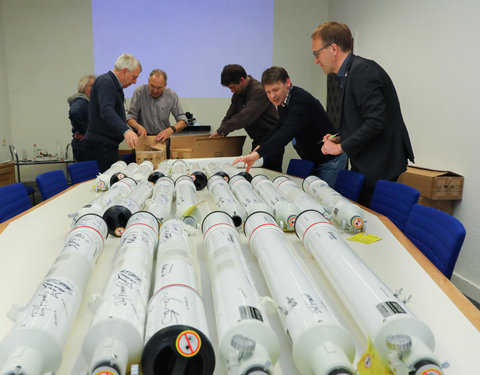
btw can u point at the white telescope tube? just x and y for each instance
(115, 338)
(102, 182)
(284, 211)
(163, 170)
(176, 333)
(144, 170)
(223, 159)
(234, 171)
(248, 198)
(321, 346)
(296, 195)
(118, 214)
(179, 168)
(34, 345)
(185, 202)
(213, 169)
(162, 199)
(225, 200)
(129, 171)
(347, 215)
(247, 344)
(371, 302)
(198, 176)
(118, 190)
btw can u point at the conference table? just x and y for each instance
(30, 243)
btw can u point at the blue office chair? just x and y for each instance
(83, 171)
(51, 183)
(13, 200)
(394, 200)
(300, 168)
(349, 184)
(436, 234)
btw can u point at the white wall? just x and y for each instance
(49, 47)
(430, 49)
(4, 101)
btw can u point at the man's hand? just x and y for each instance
(248, 160)
(131, 138)
(141, 131)
(215, 135)
(137, 127)
(164, 135)
(331, 148)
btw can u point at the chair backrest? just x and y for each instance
(349, 184)
(13, 200)
(300, 168)
(83, 171)
(436, 234)
(394, 200)
(51, 183)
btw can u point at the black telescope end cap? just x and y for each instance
(178, 350)
(246, 175)
(116, 218)
(155, 176)
(199, 179)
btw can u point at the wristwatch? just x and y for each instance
(173, 128)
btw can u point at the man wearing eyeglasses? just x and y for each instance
(372, 131)
(150, 108)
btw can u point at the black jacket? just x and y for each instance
(302, 118)
(372, 130)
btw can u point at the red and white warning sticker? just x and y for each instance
(188, 343)
(357, 222)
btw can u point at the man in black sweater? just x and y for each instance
(303, 121)
(107, 121)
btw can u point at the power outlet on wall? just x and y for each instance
(4, 142)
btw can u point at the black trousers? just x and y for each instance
(104, 153)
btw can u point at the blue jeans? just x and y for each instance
(328, 171)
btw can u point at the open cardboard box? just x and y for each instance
(201, 146)
(149, 149)
(433, 184)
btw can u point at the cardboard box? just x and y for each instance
(201, 146)
(149, 149)
(433, 184)
(442, 205)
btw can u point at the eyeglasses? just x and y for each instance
(317, 52)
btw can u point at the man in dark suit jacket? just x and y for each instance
(107, 121)
(372, 131)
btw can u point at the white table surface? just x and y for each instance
(30, 244)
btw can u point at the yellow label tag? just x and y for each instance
(189, 210)
(371, 363)
(364, 238)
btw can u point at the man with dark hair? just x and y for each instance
(373, 133)
(303, 121)
(107, 122)
(151, 106)
(249, 109)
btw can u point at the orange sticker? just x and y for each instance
(357, 222)
(119, 231)
(188, 343)
(431, 371)
(105, 372)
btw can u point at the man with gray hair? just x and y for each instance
(78, 115)
(108, 125)
(151, 106)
